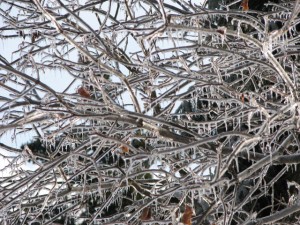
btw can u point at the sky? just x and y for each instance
(55, 79)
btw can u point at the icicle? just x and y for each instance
(248, 153)
(237, 164)
(226, 15)
(209, 128)
(239, 28)
(192, 197)
(222, 39)
(271, 155)
(199, 195)
(249, 120)
(215, 196)
(265, 187)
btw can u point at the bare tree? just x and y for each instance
(173, 112)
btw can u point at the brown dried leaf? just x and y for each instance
(220, 31)
(187, 215)
(83, 92)
(243, 98)
(124, 149)
(146, 214)
(245, 5)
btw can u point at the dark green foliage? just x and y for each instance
(36, 146)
